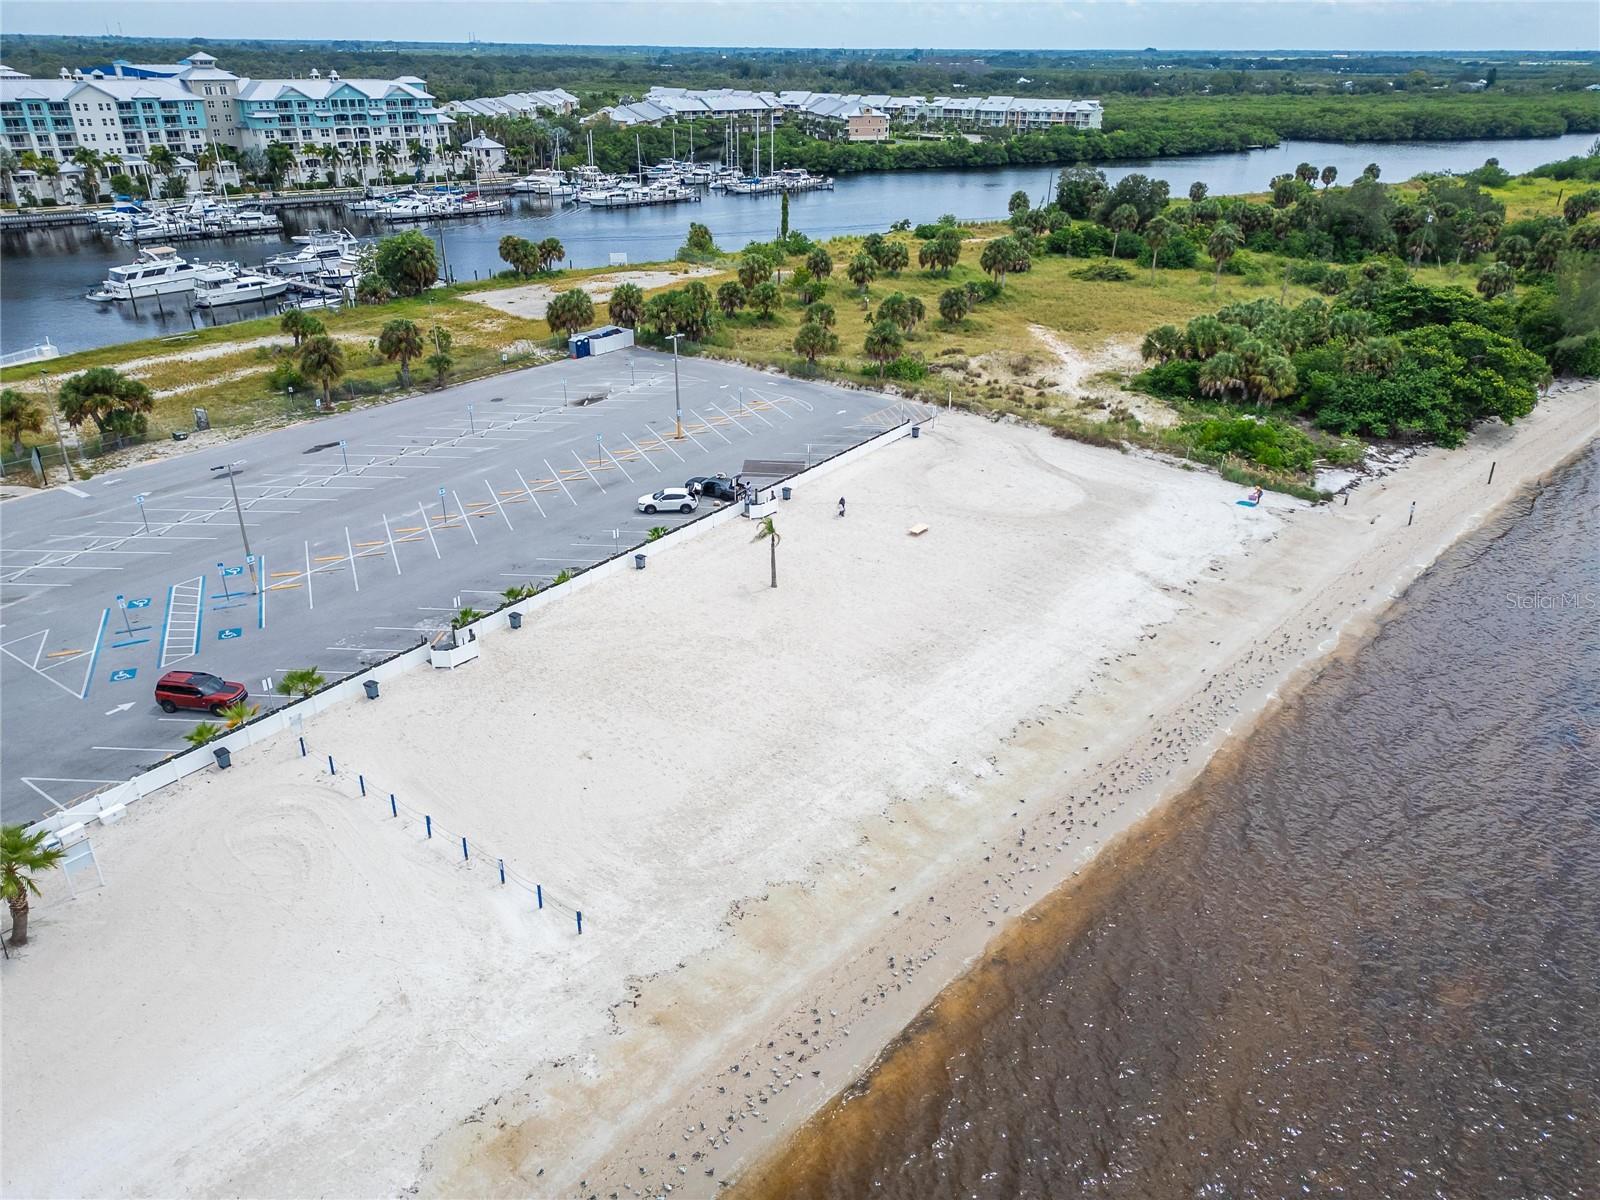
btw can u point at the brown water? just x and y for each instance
(1361, 957)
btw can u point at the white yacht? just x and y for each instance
(157, 271)
(545, 183)
(221, 284)
(318, 252)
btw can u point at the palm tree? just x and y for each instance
(301, 683)
(550, 251)
(206, 731)
(1163, 344)
(954, 305)
(863, 269)
(401, 341)
(300, 326)
(1156, 235)
(883, 344)
(1124, 218)
(322, 362)
(89, 181)
(819, 263)
(894, 257)
(1219, 374)
(280, 157)
(814, 340)
(625, 305)
(161, 159)
(18, 415)
(731, 297)
(1220, 246)
(768, 531)
(8, 164)
(24, 855)
(236, 714)
(1497, 279)
(569, 312)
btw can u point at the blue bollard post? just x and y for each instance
(302, 747)
(394, 810)
(580, 922)
(362, 780)
(464, 855)
(331, 771)
(429, 820)
(538, 893)
(502, 871)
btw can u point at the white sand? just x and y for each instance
(752, 794)
(532, 299)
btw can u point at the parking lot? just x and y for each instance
(366, 532)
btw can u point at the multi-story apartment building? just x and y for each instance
(126, 109)
(516, 104)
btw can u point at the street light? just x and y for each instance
(230, 469)
(677, 396)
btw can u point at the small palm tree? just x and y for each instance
(322, 362)
(657, 532)
(301, 683)
(466, 617)
(202, 733)
(768, 531)
(237, 714)
(562, 576)
(400, 340)
(22, 856)
(19, 415)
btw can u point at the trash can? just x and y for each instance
(224, 759)
(787, 493)
(916, 431)
(516, 620)
(638, 562)
(371, 688)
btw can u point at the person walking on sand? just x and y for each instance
(841, 506)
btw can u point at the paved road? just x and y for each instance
(431, 504)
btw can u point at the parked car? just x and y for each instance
(198, 690)
(681, 499)
(718, 487)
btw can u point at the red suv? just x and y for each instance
(196, 689)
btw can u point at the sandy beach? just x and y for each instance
(789, 816)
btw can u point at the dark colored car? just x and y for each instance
(717, 487)
(196, 689)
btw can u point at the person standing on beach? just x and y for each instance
(841, 506)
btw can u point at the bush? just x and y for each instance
(285, 376)
(1576, 355)
(1059, 241)
(1177, 251)
(1308, 274)
(1104, 272)
(1175, 380)
(1272, 444)
(906, 369)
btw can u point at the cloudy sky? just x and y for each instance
(988, 24)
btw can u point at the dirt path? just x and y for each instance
(532, 299)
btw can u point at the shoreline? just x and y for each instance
(829, 1030)
(876, 760)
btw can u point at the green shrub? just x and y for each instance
(1104, 272)
(1175, 380)
(285, 376)
(1270, 443)
(906, 369)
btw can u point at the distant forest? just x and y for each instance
(601, 75)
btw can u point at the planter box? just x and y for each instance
(449, 659)
(766, 508)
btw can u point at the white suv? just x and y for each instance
(669, 498)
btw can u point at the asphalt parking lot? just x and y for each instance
(367, 531)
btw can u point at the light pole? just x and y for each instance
(677, 395)
(230, 469)
(55, 416)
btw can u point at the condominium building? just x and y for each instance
(516, 104)
(126, 109)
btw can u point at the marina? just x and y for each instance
(48, 270)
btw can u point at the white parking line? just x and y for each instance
(466, 517)
(427, 523)
(711, 427)
(529, 491)
(350, 552)
(393, 553)
(641, 453)
(498, 505)
(614, 460)
(557, 475)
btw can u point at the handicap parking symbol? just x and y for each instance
(123, 674)
(230, 572)
(142, 602)
(227, 635)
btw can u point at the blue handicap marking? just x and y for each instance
(142, 602)
(225, 635)
(122, 674)
(230, 572)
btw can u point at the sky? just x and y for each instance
(986, 24)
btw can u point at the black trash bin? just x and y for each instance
(916, 431)
(516, 620)
(224, 759)
(371, 687)
(638, 562)
(787, 493)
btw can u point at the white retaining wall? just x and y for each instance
(289, 717)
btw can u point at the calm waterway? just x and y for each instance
(1360, 958)
(45, 274)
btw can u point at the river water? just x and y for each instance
(44, 274)
(1359, 958)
